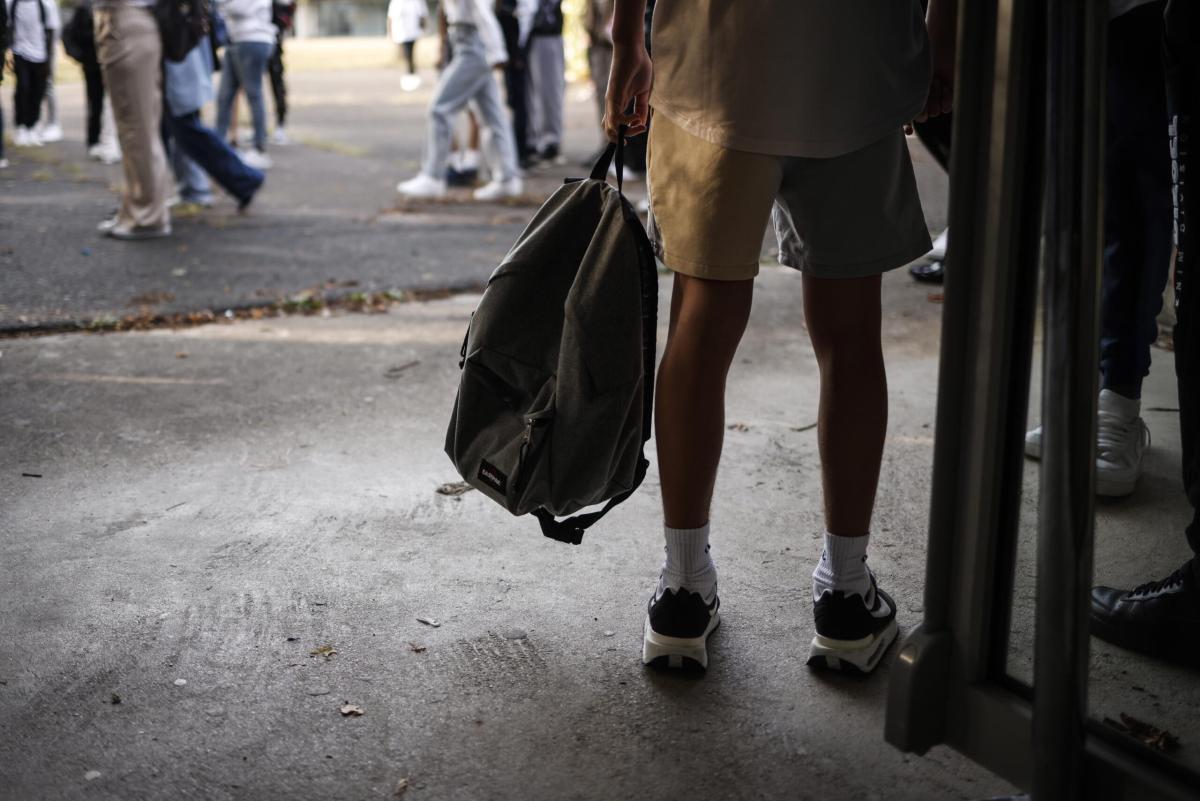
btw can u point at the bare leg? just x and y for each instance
(843, 317)
(473, 128)
(707, 322)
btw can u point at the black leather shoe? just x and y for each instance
(1159, 618)
(929, 272)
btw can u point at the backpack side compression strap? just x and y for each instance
(571, 530)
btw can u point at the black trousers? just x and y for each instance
(1137, 199)
(30, 90)
(515, 83)
(94, 79)
(1182, 62)
(278, 87)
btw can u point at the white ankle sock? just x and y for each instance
(688, 562)
(843, 566)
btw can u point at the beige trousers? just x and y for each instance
(130, 52)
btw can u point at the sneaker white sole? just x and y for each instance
(677, 652)
(852, 656)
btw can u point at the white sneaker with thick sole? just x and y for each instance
(51, 133)
(1121, 442)
(422, 186)
(136, 233)
(21, 137)
(677, 628)
(410, 83)
(500, 189)
(280, 137)
(853, 632)
(256, 159)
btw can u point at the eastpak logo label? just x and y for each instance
(493, 477)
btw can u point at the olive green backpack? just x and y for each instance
(555, 397)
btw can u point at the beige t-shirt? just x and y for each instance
(814, 78)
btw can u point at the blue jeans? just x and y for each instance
(1137, 201)
(203, 146)
(245, 63)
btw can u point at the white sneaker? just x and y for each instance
(422, 186)
(1121, 441)
(280, 137)
(51, 133)
(256, 159)
(21, 136)
(108, 225)
(410, 83)
(498, 189)
(109, 153)
(33, 138)
(939, 247)
(135, 233)
(3, 164)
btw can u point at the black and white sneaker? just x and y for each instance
(677, 627)
(853, 632)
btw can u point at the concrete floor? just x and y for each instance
(216, 503)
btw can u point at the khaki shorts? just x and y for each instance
(845, 217)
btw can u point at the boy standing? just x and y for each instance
(789, 110)
(34, 27)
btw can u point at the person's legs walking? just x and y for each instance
(410, 59)
(552, 85)
(459, 82)
(94, 82)
(219, 160)
(278, 85)
(130, 50)
(52, 131)
(227, 92)
(506, 181)
(253, 57)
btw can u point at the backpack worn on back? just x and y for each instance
(181, 24)
(554, 402)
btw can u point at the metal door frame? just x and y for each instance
(1029, 95)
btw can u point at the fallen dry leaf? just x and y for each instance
(429, 621)
(738, 427)
(1149, 734)
(401, 788)
(416, 648)
(351, 711)
(325, 650)
(936, 297)
(454, 488)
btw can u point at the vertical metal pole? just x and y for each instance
(1075, 101)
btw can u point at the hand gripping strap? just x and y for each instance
(617, 148)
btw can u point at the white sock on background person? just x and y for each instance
(689, 563)
(843, 566)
